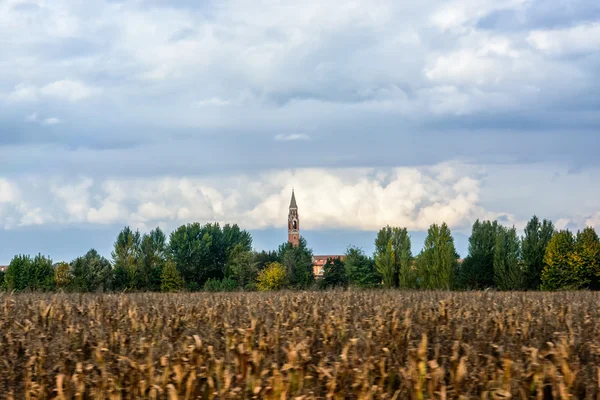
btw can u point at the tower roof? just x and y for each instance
(293, 201)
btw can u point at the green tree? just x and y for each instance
(272, 277)
(17, 273)
(508, 265)
(202, 252)
(171, 280)
(534, 243)
(152, 259)
(385, 264)
(477, 270)
(558, 273)
(90, 273)
(438, 261)
(334, 274)
(41, 274)
(360, 268)
(403, 259)
(126, 259)
(242, 266)
(298, 263)
(265, 258)
(585, 259)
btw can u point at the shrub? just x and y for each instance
(273, 277)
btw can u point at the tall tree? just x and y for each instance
(334, 274)
(171, 280)
(298, 263)
(152, 259)
(360, 268)
(16, 277)
(534, 243)
(126, 259)
(401, 247)
(558, 272)
(508, 265)
(62, 276)
(41, 274)
(91, 273)
(385, 263)
(585, 259)
(242, 266)
(438, 261)
(477, 270)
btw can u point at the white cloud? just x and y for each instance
(213, 101)
(9, 192)
(23, 92)
(69, 90)
(353, 198)
(35, 118)
(50, 121)
(291, 137)
(577, 39)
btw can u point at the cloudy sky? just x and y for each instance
(163, 112)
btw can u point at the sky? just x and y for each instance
(164, 112)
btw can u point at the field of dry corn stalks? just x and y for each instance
(340, 345)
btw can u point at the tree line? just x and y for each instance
(221, 258)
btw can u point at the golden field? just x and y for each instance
(301, 345)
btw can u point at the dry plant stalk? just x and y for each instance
(315, 345)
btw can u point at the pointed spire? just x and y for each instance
(293, 202)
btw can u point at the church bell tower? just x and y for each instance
(293, 223)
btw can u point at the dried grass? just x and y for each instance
(334, 345)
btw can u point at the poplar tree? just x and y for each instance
(386, 266)
(558, 273)
(534, 243)
(438, 261)
(508, 265)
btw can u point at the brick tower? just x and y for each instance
(293, 222)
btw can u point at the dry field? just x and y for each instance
(341, 345)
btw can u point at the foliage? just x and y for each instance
(62, 276)
(212, 285)
(202, 252)
(508, 266)
(438, 261)
(91, 273)
(264, 258)
(298, 264)
(534, 243)
(557, 273)
(334, 274)
(272, 277)
(152, 260)
(402, 274)
(242, 266)
(477, 269)
(385, 264)
(360, 269)
(171, 280)
(15, 277)
(571, 262)
(126, 259)
(585, 260)
(25, 273)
